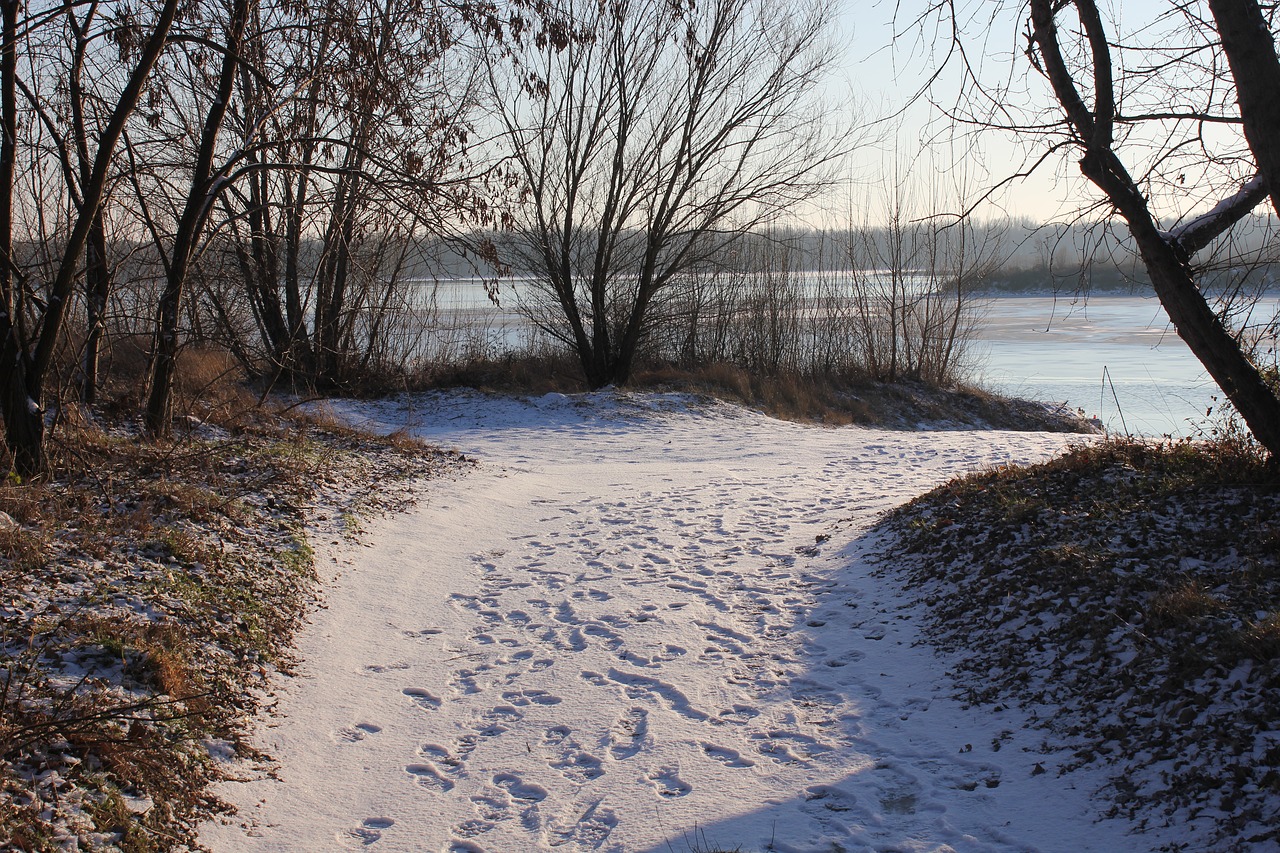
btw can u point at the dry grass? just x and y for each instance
(147, 592)
(1181, 606)
(805, 397)
(787, 396)
(535, 373)
(1261, 639)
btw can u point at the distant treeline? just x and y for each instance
(1033, 257)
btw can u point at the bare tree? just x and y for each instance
(1176, 124)
(207, 180)
(369, 109)
(32, 312)
(915, 281)
(648, 145)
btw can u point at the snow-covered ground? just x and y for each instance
(645, 623)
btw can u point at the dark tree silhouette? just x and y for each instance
(32, 313)
(1071, 45)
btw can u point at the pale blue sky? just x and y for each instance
(882, 75)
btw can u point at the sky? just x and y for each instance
(880, 74)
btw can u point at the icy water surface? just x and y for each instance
(1114, 356)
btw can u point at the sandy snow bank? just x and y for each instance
(645, 623)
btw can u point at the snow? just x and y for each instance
(1249, 195)
(646, 623)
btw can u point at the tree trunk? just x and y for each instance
(23, 417)
(200, 199)
(1251, 52)
(97, 291)
(23, 420)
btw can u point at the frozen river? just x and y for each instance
(1114, 356)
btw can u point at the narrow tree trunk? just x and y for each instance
(23, 420)
(97, 291)
(200, 199)
(23, 417)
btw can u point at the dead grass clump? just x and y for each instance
(721, 380)
(194, 501)
(22, 501)
(839, 399)
(152, 653)
(538, 373)
(1182, 605)
(1171, 465)
(1261, 639)
(806, 399)
(788, 396)
(210, 386)
(22, 549)
(123, 373)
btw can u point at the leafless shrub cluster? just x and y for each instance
(886, 304)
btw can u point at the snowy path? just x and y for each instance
(641, 626)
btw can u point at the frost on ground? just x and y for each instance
(647, 623)
(147, 591)
(1130, 594)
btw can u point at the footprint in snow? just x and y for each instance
(465, 745)
(369, 832)
(587, 831)
(464, 680)
(356, 733)
(518, 618)
(502, 714)
(627, 736)
(738, 714)
(521, 698)
(845, 659)
(457, 846)
(830, 798)
(568, 757)
(441, 757)
(594, 678)
(520, 790)
(379, 668)
(470, 829)
(667, 782)
(429, 777)
(788, 747)
(727, 757)
(899, 792)
(491, 804)
(638, 686)
(422, 698)
(655, 660)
